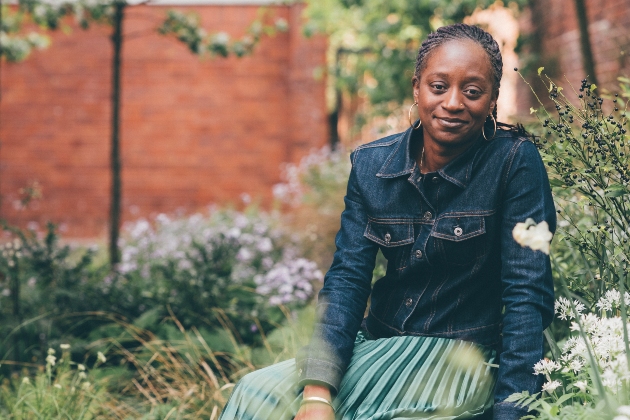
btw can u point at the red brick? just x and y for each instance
(194, 131)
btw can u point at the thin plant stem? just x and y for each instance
(624, 314)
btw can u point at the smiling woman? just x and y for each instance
(455, 325)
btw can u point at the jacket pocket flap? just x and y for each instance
(389, 234)
(459, 228)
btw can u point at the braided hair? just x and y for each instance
(461, 31)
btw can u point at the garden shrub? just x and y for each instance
(41, 283)
(227, 269)
(585, 146)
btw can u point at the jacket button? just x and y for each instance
(388, 238)
(458, 231)
(418, 254)
(408, 302)
(435, 180)
(427, 215)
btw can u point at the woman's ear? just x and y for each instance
(415, 82)
(493, 102)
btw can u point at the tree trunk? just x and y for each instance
(114, 257)
(585, 41)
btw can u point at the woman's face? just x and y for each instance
(454, 93)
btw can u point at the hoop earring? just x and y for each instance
(411, 123)
(483, 131)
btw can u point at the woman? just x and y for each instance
(461, 310)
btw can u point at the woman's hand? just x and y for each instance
(316, 410)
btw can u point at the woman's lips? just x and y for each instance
(451, 122)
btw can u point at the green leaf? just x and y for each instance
(540, 70)
(564, 398)
(553, 345)
(616, 190)
(532, 111)
(556, 182)
(593, 87)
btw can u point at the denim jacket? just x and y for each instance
(454, 269)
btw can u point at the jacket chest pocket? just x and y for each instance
(462, 240)
(395, 238)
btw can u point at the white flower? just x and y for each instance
(545, 367)
(26, 381)
(265, 245)
(576, 365)
(101, 357)
(610, 379)
(551, 386)
(244, 254)
(50, 360)
(535, 236)
(563, 308)
(581, 385)
(57, 386)
(81, 367)
(624, 410)
(612, 300)
(221, 38)
(64, 346)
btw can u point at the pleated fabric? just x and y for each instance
(394, 378)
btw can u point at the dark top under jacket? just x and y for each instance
(454, 269)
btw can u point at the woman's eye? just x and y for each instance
(439, 87)
(473, 92)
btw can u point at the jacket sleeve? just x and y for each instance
(526, 279)
(343, 299)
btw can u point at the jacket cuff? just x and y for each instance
(508, 411)
(320, 372)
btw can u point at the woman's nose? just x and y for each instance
(453, 101)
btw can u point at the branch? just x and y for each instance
(185, 27)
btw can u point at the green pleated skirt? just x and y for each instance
(393, 378)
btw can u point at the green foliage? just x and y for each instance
(586, 148)
(374, 42)
(188, 374)
(227, 270)
(231, 272)
(63, 390)
(585, 145)
(186, 28)
(15, 46)
(41, 283)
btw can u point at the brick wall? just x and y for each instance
(558, 32)
(194, 131)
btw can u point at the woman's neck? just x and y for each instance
(432, 156)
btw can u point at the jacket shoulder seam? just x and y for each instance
(372, 145)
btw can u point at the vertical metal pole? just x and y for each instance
(114, 256)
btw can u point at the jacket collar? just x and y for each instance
(400, 162)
